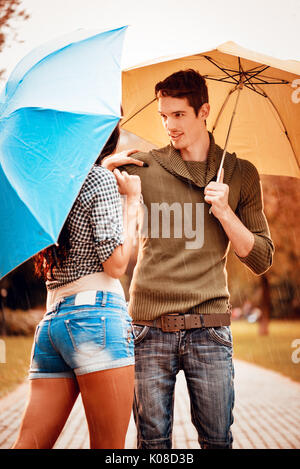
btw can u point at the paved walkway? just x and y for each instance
(266, 413)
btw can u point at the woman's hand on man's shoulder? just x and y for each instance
(123, 158)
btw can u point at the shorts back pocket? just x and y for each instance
(87, 334)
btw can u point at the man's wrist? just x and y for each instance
(225, 215)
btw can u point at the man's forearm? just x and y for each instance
(242, 239)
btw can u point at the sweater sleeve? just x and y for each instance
(250, 211)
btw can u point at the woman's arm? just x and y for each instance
(130, 189)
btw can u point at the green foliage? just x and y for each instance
(272, 351)
(15, 370)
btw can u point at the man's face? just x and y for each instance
(180, 121)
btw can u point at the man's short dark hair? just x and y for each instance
(187, 84)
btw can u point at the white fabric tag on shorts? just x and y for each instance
(85, 298)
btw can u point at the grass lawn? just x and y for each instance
(17, 358)
(273, 351)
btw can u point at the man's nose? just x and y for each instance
(170, 124)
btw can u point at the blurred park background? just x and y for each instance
(266, 309)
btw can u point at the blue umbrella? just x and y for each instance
(59, 107)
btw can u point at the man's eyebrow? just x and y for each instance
(174, 112)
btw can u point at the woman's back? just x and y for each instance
(94, 228)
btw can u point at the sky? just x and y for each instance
(162, 27)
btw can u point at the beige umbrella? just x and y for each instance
(254, 99)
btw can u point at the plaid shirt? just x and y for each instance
(95, 226)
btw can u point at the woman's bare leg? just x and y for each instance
(50, 403)
(107, 398)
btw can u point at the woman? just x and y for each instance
(84, 342)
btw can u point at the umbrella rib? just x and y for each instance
(259, 82)
(137, 112)
(250, 85)
(223, 80)
(251, 76)
(283, 125)
(252, 88)
(264, 82)
(222, 69)
(222, 108)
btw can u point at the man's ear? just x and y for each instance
(204, 111)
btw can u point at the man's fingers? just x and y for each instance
(214, 187)
(212, 192)
(210, 199)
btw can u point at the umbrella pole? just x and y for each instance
(240, 86)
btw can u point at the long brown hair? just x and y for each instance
(53, 256)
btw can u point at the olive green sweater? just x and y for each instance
(182, 253)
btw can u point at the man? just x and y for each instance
(179, 299)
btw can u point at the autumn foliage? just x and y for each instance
(10, 11)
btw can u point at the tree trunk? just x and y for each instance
(2, 318)
(263, 324)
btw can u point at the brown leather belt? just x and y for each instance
(176, 321)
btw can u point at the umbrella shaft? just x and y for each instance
(226, 142)
(227, 137)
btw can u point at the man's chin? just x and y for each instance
(177, 145)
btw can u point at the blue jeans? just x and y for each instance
(205, 356)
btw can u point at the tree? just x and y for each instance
(9, 10)
(282, 198)
(276, 293)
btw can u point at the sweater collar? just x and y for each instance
(171, 160)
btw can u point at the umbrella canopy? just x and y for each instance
(266, 127)
(59, 107)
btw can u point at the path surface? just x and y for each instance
(266, 414)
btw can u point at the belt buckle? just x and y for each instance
(167, 325)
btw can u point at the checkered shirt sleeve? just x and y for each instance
(101, 198)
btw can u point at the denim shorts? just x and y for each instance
(83, 333)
